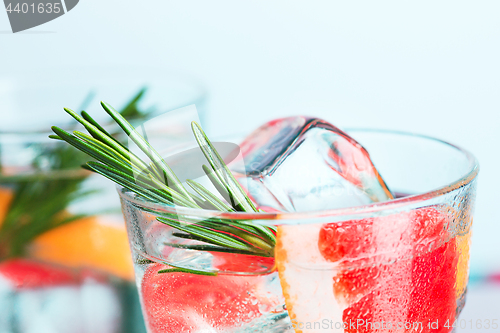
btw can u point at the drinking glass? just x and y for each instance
(399, 265)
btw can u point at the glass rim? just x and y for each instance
(41, 132)
(395, 204)
(46, 175)
(22, 175)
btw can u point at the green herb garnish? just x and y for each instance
(155, 181)
(41, 198)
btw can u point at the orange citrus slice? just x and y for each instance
(99, 242)
(6, 196)
(307, 288)
(463, 245)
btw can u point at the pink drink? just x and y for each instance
(421, 292)
(401, 261)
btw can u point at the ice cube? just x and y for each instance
(303, 164)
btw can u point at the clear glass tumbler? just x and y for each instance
(395, 266)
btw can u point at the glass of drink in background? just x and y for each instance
(64, 258)
(390, 266)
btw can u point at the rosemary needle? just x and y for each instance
(118, 164)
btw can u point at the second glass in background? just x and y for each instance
(86, 261)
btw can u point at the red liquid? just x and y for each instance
(405, 284)
(181, 302)
(393, 270)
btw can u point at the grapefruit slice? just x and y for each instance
(98, 242)
(306, 278)
(237, 263)
(394, 268)
(463, 244)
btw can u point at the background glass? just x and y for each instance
(78, 274)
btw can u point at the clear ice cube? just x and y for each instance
(304, 164)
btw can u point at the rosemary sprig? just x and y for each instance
(155, 181)
(186, 270)
(238, 198)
